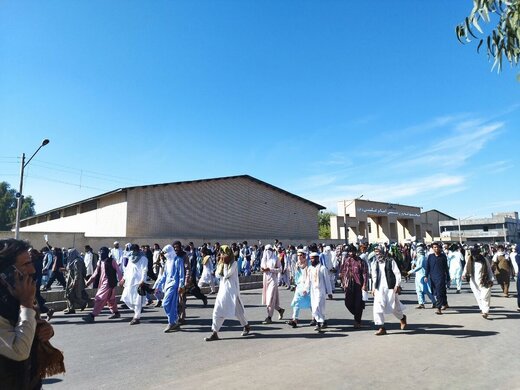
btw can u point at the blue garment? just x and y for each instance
(438, 274)
(300, 301)
(170, 282)
(421, 287)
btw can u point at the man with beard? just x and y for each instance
(318, 282)
(437, 272)
(386, 279)
(109, 273)
(171, 283)
(354, 276)
(134, 276)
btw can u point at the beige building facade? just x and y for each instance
(376, 222)
(219, 208)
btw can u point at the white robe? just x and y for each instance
(318, 282)
(207, 273)
(386, 300)
(228, 296)
(134, 275)
(482, 294)
(270, 294)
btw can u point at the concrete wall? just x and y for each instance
(221, 209)
(109, 219)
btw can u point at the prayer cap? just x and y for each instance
(314, 254)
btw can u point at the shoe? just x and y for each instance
(211, 292)
(438, 311)
(182, 321)
(71, 311)
(319, 327)
(45, 288)
(381, 332)
(123, 306)
(83, 307)
(88, 318)
(403, 322)
(213, 337)
(434, 306)
(458, 292)
(268, 320)
(312, 323)
(357, 325)
(135, 321)
(421, 306)
(50, 313)
(292, 323)
(444, 307)
(171, 328)
(115, 315)
(246, 330)
(485, 315)
(280, 314)
(324, 324)
(205, 301)
(149, 302)
(159, 303)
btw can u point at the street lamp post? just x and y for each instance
(345, 226)
(19, 194)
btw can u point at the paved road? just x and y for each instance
(458, 350)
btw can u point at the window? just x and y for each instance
(370, 228)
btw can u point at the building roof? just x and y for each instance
(123, 189)
(440, 212)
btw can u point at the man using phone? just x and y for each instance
(19, 327)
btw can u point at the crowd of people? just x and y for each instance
(164, 277)
(171, 273)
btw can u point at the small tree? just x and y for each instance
(504, 39)
(324, 224)
(8, 203)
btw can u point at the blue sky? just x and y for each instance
(325, 99)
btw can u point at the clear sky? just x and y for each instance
(325, 99)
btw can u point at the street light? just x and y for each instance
(345, 216)
(19, 195)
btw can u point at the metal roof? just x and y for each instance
(123, 189)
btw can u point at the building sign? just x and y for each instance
(388, 211)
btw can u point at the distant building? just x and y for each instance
(380, 222)
(501, 227)
(430, 224)
(220, 208)
(375, 221)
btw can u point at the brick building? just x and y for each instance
(235, 207)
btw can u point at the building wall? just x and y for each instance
(375, 221)
(430, 222)
(502, 227)
(219, 209)
(108, 219)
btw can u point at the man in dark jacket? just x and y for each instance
(437, 272)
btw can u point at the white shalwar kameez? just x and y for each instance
(386, 300)
(482, 294)
(134, 275)
(327, 257)
(207, 274)
(319, 284)
(455, 259)
(270, 294)
(228, 303)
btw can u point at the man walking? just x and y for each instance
(437, 272)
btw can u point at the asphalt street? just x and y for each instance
(456, 350)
